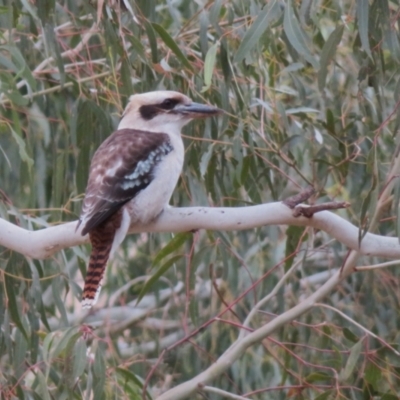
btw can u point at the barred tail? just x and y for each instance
(102, 238)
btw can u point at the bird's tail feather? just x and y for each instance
(102, 238)
(94, 276)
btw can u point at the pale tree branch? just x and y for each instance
(377, 266)
(44, 243)
(348, 235)
(267, 298)
(239, 347)
(223, 393)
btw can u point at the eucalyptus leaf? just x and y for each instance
(156, 276)
(297, 36)
(362, 9)
(205, 159)
(15, 312)
(209, 65)
(270, 13)
(170, 42)
(327, 54)
(352, 361)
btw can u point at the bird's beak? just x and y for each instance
(197, 110)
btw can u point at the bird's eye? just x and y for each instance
(169, 104)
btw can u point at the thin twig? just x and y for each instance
(376, 266)
(223, 393)
(367, 331)
(59, 87)
(267, 298)
(295, 200)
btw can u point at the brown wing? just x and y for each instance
(122, 166)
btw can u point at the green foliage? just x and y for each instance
(311, 94)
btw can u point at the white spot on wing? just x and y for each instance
(143, 167)
(114, 169)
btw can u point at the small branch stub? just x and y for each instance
(307, 211)
(304, 195)
(304, 210)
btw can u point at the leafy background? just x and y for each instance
(311, 94)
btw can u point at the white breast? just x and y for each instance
(152, 200)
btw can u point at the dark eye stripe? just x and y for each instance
(169, 104)
(149, 111)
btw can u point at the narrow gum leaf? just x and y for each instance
(327, 54)
(170, 42)
(297, 37)
(362, 21)
(267, 15)
(209, 66)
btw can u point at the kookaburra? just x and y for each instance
(133, 174)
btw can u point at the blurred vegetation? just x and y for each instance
(311, 91)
